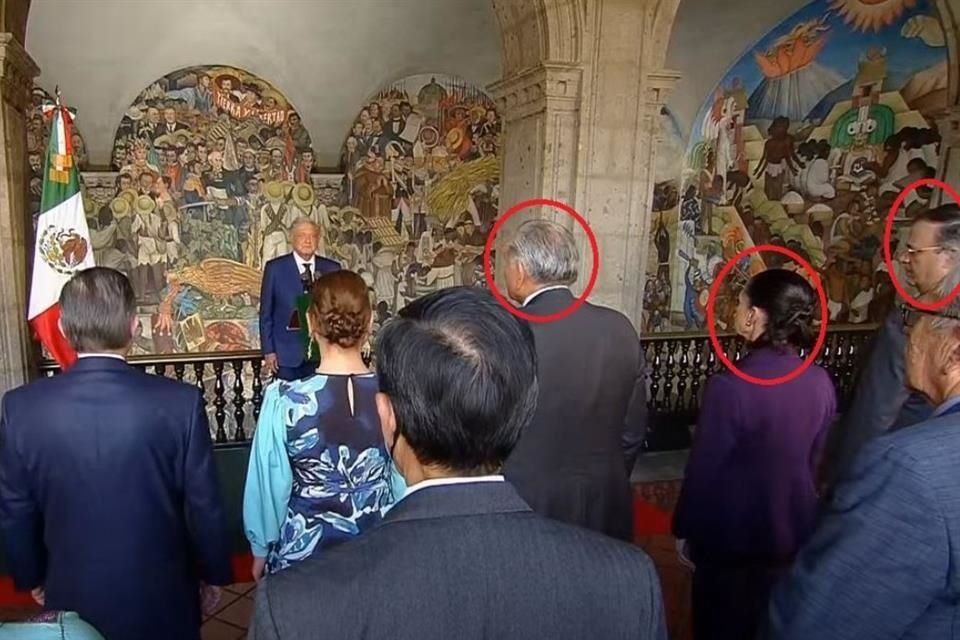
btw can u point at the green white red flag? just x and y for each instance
(62, 238)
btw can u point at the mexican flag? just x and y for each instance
(62, 237)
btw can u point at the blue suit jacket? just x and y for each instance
(884, 560)
(278, 298)
(109, 498)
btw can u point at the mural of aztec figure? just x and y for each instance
(420, 189)
(805, 143)
(213, 166)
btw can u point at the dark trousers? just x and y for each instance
(730, 602)
(296, 373)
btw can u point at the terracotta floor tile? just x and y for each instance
(238, 613)
(217, 630)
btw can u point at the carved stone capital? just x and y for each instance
(659, 85)
(18, 70)
(554, 85)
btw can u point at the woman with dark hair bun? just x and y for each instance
(319, 471)
(749, 497)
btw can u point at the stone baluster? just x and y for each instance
(257, 388)
(219, 402)
(238, 400)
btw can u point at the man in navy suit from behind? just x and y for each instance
(284, 279)
(109, 500)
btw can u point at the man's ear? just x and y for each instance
(388, 419)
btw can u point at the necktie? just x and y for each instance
(307, 273)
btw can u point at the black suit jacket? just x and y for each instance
(573, 461)
(469, 562)
(109, 499)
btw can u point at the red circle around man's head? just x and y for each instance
(488, 265)
(712, 329)
(936, 305)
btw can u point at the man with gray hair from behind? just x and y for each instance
(882, 561)
(574, 460)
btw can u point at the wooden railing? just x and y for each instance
(678, 366)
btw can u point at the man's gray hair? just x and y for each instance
(547, 252)
(949, 316)
(303, 220)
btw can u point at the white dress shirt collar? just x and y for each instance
(544, 290)
(115, 356)
(301, 262)
(439, 482)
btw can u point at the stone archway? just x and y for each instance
(583, 85)
(16, 84)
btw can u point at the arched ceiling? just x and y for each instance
(326, 56)
(707, 39)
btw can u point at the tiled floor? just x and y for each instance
(230, 620)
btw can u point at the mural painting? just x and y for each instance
(805, 143)
(212, 166)
(420, 190)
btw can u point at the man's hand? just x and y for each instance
(270, 363)
(39, 596)
(258, 567)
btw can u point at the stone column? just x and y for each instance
(949, 170)
(16, 84)
(580, 124)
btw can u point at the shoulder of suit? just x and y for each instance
(328, 264)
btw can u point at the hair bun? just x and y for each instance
(340, 308)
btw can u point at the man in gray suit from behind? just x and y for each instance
(461, 555)
(882, 563)
(573, 462)
(882, 402)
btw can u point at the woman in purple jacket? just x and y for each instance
(749, 498)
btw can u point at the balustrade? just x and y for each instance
(678, 366)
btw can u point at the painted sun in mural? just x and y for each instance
(871, 15)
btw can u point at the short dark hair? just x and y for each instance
(947, 219)
(791, 306)
(97, 307)
(461, 372)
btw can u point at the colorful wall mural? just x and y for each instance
(805, 143)
(212, 166)
(420, 190)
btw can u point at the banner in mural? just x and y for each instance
(805, 143)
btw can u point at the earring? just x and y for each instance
(365, 350)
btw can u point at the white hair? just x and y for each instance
(949, 316)
(546, 251)
(301, 221)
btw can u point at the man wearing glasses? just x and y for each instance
(882, 402)
(882, 561)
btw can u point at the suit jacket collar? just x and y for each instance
(452, 500)
(99, 363)
(550, 302)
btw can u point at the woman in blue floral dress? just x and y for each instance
(319, 472)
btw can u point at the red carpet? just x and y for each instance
(648, 520)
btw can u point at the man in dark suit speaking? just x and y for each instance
(284, 280)
(109, 500)
(461, 555)
(573, 462)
